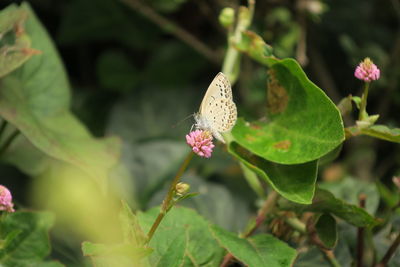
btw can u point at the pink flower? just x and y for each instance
(367, 71)
(6, 199)
(201, 142)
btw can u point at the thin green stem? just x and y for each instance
(168, 198)
(8, 141)
(363, 106)
(232, 56)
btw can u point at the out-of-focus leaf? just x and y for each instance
(349, 189)
(15, 44)
(132, 231)
(345, 105)
(182, 239)
(258, 250)
(294, 182)
(115, 72)
(383, 132)
(35, 99)
(327, 230)
(30, 245)
(391, 198)
(325, 202)
(302, 124)
(115, 255)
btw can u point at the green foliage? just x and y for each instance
(327, 230)
(25, 239)
(35, 99)
(258, 250)
(325, 202)
(294, 182)
(189, 244)
(302, 123)
(15, 43)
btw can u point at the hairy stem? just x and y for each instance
(363, 106)
(168, 198)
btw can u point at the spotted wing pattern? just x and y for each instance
(217, 108)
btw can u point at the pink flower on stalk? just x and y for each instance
(367, 71)
(201, 142)
(6, 199)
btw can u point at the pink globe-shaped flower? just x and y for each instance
(367, 71)
(201, 142)
(6, 199)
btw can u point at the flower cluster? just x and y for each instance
(367, 71)
(6, 199)
(201, 142)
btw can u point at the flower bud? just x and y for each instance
(6, 199)
(182, 188)
(227, 17)
(367, 71)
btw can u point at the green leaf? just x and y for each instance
(327, 230)
(253, 45)
(325, 202)
(258, 250)
(302, 123)
(132, 231)
(391, 198)
(294, 182)
(383, 132)
(15, 44)
(182, 239)
(349, 190)
(30, 245)
(115, 255)
(35, 99)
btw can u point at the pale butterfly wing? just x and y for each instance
(217, 110)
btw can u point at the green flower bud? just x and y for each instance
(227, 17)
(181, 189)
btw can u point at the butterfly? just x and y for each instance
(217, 112)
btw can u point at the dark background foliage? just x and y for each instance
(136, 78)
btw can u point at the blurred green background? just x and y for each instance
(135, 76)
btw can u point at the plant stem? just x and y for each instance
(330, 257)
(296, 224)
(232, 56)
(268, 206)
(168, 198)
(8, 141)
(174, 29)
(389, 254)
(363, 112)
(360, 234)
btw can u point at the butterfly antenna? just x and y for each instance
(179, 122)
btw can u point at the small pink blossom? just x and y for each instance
(6, 199)
(367, 71)
(201, 142)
